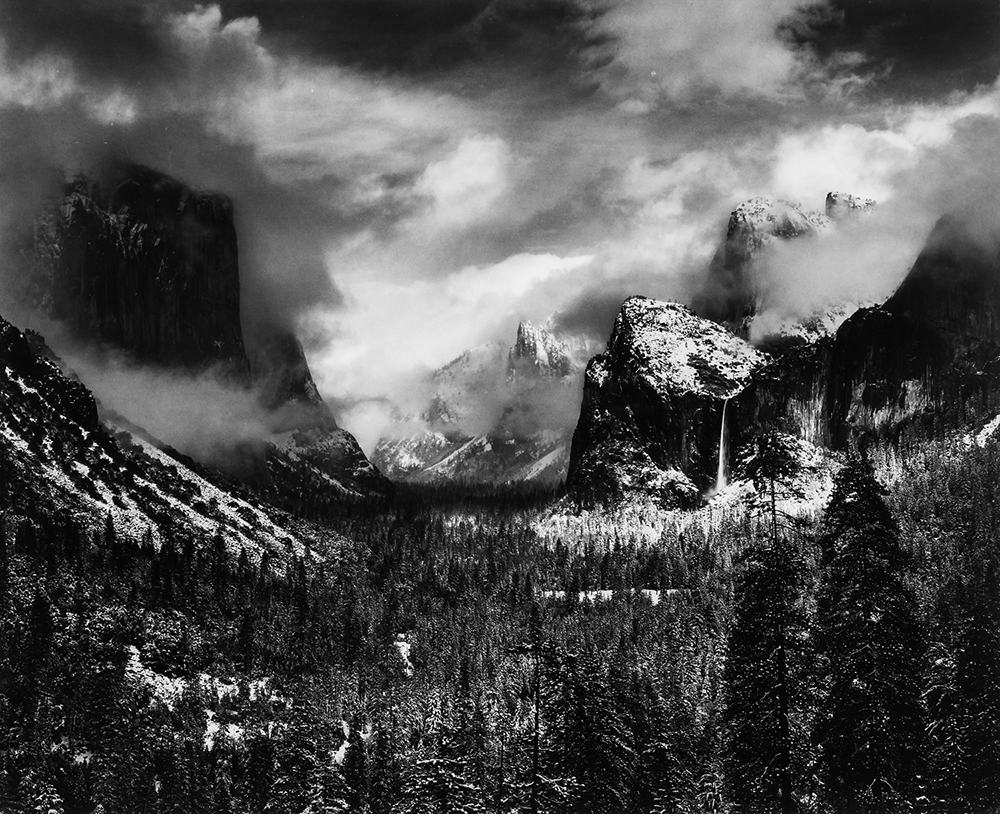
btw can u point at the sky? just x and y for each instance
(414, 177)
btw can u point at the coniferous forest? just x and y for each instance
(451, 660)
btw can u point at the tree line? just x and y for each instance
(449, 661)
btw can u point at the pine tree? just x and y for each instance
(963, 700)
(870, 734)
(978, 686)
(765, 708)
(355, 770)
(591, 743)
(441, 783)
(385, 769)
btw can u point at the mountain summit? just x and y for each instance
(497, 413)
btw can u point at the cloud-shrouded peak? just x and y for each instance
(410, 178)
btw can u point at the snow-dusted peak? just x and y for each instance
(758, 220)
(537, 350)
(842, 204)
(672, 349)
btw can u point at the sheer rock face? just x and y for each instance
(926, 358)
(653, 404)
(931, 352)
(153, 269)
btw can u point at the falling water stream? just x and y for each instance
(720, 477)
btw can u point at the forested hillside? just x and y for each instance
(452, 662)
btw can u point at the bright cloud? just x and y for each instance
(464, 186)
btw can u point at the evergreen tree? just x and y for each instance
(441, 783)
(355, 770)
(978, 686)
(765, 731)
(870, 731)
(963, 702)
(591, 743)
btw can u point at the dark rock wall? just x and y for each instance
(926, 360)
(153, 269)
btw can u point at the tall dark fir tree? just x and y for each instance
(768, 704)
(871, 726)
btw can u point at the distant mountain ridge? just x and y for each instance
(497, 413)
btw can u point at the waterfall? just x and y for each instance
(720, 477)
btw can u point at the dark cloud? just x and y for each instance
(105, 39)
(592, 314)
(912, 49)
(368, 33)
(528, 38)
(283, 231)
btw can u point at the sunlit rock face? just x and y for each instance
(653, 406)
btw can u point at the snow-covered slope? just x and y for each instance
(59, 457)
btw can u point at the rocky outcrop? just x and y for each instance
(732, 293)
(537, 352)
(653, 405)
(840, 205)
(152, 267)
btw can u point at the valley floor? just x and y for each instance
(492, 649)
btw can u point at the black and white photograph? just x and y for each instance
(500, 407)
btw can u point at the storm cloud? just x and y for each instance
(412, 178)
